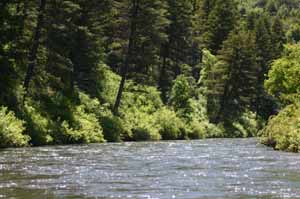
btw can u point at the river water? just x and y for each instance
(205, 169)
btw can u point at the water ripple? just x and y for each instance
(208, 169)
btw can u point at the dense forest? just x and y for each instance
(78, 71)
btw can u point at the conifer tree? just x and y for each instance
(238, 55)
(142, 41)
(221, 20)
(177, 52)
(32, 60)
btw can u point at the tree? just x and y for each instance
(211, 83)
(283, 78)
(221, 20)
(264, 56)
(238, 55)
(35, 46)
(143, 42)
(177, 51)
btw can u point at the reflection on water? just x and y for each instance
(206, 169)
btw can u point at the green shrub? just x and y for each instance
(283, 131)
(246, 125)
(112, 128)
(109, 84)
(84, 128)
(38, 126)
(11, 130)
(181, 93)
(137, 112)
(204, 129)
(170, 126)
(145, 134)
(138, 124)
(197, 130)
(284, 76)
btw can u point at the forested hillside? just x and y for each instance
(85, 71)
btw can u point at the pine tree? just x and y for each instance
(143, 41)
(238, 55)
(221, 20)
(277, 37)
(32, 60)
(211, 82)
(264, 49)
(177, 52)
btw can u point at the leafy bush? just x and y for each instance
(284, 76)
(84, 128)
(109, 84)
(204, 129)
(11, 130)
(170, 126)
(246, 125)
(283, 131)
(112, 128)
(38, 126)
(140, 126)
(181, 93)
(145, 134)
(137, 112)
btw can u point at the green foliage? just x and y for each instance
(38, 126)
(137, 112)
(196, 70)
(284, 76)
(109, 82)
(293, 34)
(170, 126)
(84, 128)
(112, 128)
(145, 133)
(283, 131)
(246, 125)
(238, 56)
(11, 130)
(181, 93)
(211, 83)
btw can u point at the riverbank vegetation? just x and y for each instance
(77, 71)
(283, 130)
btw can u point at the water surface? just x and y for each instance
(206, 169)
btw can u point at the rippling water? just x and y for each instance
(206, 169)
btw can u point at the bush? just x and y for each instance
(283, 131)
(11, 130)
(140, 126)
(38, 126)
(170, 126)
(145, 134)
(137, 112)
(112, 128)
(197, 130)
(84, 128)
(204, 129)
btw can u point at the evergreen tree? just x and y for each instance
(32, 60)
(143, 41)
(177, 51)
(277, 37)
(221, 20)
(264, 52)
(238, 55)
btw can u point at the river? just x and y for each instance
(205, 169)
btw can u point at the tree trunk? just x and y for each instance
(163, 73)
(128, 56)
(34, 49)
